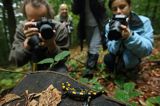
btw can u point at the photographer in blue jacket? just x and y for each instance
(129, 37)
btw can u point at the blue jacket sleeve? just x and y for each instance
(140, 43)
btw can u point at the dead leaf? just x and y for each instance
(30, 97)
(50, 97)
(33, 103)
(8, 98)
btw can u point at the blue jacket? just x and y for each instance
(138, 45)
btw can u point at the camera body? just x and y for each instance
(114, 26)
(45, 27)
(68, 26)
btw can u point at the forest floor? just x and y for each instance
(148, 81)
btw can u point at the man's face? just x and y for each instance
(63, 10)
(35, 13)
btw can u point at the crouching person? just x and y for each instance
(39, 37)
(129, 37)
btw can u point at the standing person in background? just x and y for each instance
(129, 39)
(93, 16)
(66, 19)
(29, 43)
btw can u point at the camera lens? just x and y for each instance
(34, 42)
(114, 35)
(114, 26)
(46, 31)
(115, 31)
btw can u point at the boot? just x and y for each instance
(92, 61)
(90, 65)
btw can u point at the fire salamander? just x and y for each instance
(81, 94)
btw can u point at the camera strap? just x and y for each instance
(119, 63)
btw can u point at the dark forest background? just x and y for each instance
(142, 92)
(10, 16)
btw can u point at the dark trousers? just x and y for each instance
(119, 68)
(109, 60)
(114, 63)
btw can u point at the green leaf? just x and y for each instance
(133, 94)
(129, 86)
(154, 100)
(83, 80)
(126, 92)
(73, 74)
(48, 60)
(6, 82)
(101, 67)
(149, 103)
(73, 64)
(61, 56)
(97, 87)
(93, 81)
(119, 83)
(121, 95)
(134, 104)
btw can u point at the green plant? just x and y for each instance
(102, 73)
(126, 93)
(73, 63)
(154, 57)
(56, 59)
(95, 85)
(152, 101)
(9, 79)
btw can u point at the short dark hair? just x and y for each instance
(38, 3)
(111, 1)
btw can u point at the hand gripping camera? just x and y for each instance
(114, 26)
(45, 27)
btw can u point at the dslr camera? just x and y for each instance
(114, 26)
(45, 27)
(69, 27)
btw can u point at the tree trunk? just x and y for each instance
(155, 10)
(10, 19)
(147, 7)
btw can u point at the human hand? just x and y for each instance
(49, 43)
(29, 30)
(126, 32)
